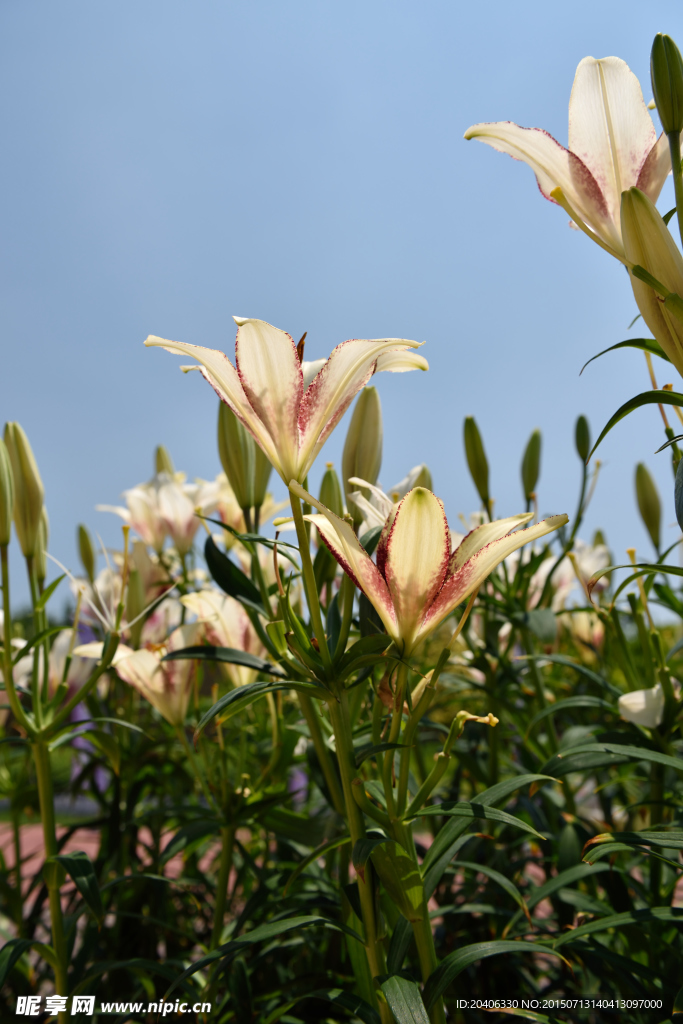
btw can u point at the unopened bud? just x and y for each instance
(86, 552)
(648, 244)
(531, 464)
(330, 491)
(582, 438)
(649, 505)
(28, 488)
(666, 71)
(6, 495)
(424, 478)
(476, 459)
(135, 605)
(362, 455)
(678, 494)
(41, 547)
(162, 461)
(246, 467)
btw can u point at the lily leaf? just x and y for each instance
(405, 1001)
(79, 866)
(229, 655)
(475, 809)
(241, 697)
(646, 398)
(600, 755)
(189, 837)
(644, 344)
(231, 579)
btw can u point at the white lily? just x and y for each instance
(417, 581)
(613, 145)
(289, 417)
(226, 624)
(166, 685)
(643, 707)
(377, 507)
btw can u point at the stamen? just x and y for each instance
(300, 347)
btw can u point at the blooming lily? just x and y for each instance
(166, 685)
(613, 145)
(226, 624)
(291, 408)
(417, 581)
(643, 707)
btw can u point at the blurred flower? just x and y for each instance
(613, 145)
(166, 685)
(643, 707)
(377, 507)
(289, 416)
(79, 669)
(586, 628)
(417, 582)
(226, 624)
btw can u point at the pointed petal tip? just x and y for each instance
(241, 320)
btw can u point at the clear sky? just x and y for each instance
(167, 165)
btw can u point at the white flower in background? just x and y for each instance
(377, 507)
(166, 685)
(80, 669)
(643, 707)
(613, 146)
(165, 617)
(226, 624)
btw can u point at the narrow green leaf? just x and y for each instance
(405, 1000)
(321, 851)
(364, 847)
(455, 962)
(649, 914)
(475, 809)
(37, 639)
(363, 753)
(496, 876)
(598, 755)
(229, 655)
(79, 866)
(189, 837)
(375, 644)
(669, 840)
(15, 948)
(107, 745)
(370, 538)
(231, 579)
(646, 398)
(400, 942)
(644, 344)
(48, 592)
(241, 697)
(571, 702)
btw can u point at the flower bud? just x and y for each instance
(649, 505)
(6, 495)
(476, 459)
(86, 552)
(678, 494)
(135, 605)
(162, 461)
(330, 491)
(246, 467)
(531, 464)
(666, 72)
(582, 438)
(648, 243)
(41, 547)
(424, 478)
(362, 455)
(28, 488)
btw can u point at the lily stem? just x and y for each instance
(675, 149)
(227, 848)
(309, 579)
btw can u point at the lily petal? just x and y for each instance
(270, 373)
(349, 368)
(654, 171)
(416, 561)
(554, 167)
(482, 535)
(474, 571)
(339, 537)
(643, 707)
(610, 128)
(401, 362)
(217, 369)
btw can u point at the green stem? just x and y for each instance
(110, 645)
(8, 672)
(656, 815)
(227, 847)
(323, 753)
(18, 915)
(195, 767)
(675, 149)
(47, 815)
(309, 579)
(339, 713)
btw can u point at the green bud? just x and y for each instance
(41, 547)
(599, 538)
(330, 491)
(162, 461)
(362, 455)
(648, 244)
(6, 495)
(424, 478)
(86, 552)
(246, 467)
(135, 605)
(582, 438)
(476, 459)
(28, 488)
(531, 464)
(666, 72)
(649, 505)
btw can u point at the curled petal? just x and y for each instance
(482, 535)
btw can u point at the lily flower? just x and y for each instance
(417, 581)
(226, 624)
(377, 507)
(643, 707)
(288, 415)
(613, 145)
(166, 685)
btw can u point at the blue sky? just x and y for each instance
(170, 164)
